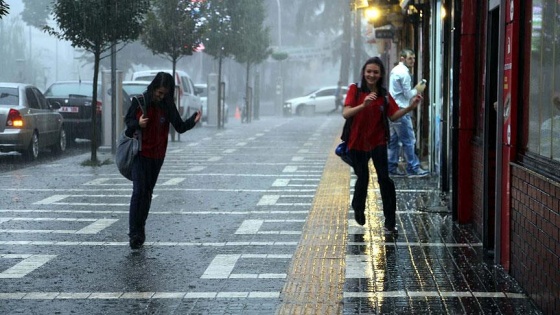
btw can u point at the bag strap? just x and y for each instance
(140, 104)
(348, 123)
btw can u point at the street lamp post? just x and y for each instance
(279, 24)
(280, 81)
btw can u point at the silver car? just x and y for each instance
(28, 122)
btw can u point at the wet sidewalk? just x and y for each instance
(432, 266)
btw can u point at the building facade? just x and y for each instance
(494, 73)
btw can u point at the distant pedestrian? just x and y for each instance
(365, 104)
(337, 98)
(402, 131)
(151, 113)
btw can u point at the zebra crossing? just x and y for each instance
(249, 213)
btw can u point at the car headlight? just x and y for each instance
(287, 105)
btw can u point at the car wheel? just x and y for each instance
(300, 109)
(32, 151)
(60, 146)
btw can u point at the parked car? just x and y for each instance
(187, 101)
(75, 98)
(28, 122)
(202, 91)
(322, 99)
(135, 88)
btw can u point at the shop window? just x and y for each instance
(544, 99)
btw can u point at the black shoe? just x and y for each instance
(136, 242)
(360, 217)
(397, 173)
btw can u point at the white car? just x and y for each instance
(135, 88)
(202, 92)
(322, 99)
(187, 101)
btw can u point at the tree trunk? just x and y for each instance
(346, 48)
(97, 57)
(248, 102)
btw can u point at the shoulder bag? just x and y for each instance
(127, 149)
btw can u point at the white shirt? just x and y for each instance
(400, 85)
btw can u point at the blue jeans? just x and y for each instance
(145, 173)
(360, 161)
(402, 131)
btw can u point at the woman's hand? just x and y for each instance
(416, 100)
(198, 116)
(143, 121)
(370, 98)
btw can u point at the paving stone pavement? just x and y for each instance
(431, 266)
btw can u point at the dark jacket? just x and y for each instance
(155, 135)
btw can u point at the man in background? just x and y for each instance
(337, 98)
(400, 88)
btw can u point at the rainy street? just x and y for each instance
(249, 219)
(226, 217)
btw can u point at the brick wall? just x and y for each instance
(535, 237)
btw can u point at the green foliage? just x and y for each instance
(4, 7)
(236, 29)
(279, 55)
(218, 37)
(95, 25)
(252, 39)
(173, 28)
(36, 12)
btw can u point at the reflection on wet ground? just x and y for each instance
(433, 265)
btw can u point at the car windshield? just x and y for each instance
(59, 89)
(9, 96)
(145, 77)
(203, 91)
(134, 89)
(312, 92)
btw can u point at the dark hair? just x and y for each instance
(165, 80)
(380, 83)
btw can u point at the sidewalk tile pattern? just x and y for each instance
(432, 266)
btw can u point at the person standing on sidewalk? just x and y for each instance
(337, 98)
(365, 105)
(401, 129)
(151, 113)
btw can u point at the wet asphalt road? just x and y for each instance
(11, 161)
(217, 242)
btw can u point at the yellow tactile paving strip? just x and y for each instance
(315, 281)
